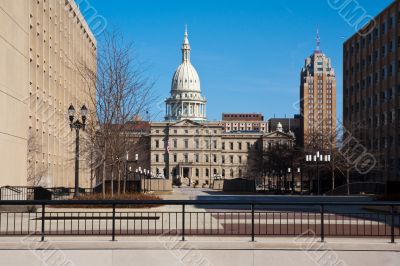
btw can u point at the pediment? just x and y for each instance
(277, 134)
(186, 123)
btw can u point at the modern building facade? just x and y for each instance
(42, 41)
(318, 101)
(371, 91)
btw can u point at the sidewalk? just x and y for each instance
(232, 251)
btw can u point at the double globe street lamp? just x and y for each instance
(77, 125)
(318, 158)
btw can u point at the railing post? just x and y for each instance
(183, 222)
(43, 221)
(392, 224)
(113, 222)
(322, 223)
(252, 222)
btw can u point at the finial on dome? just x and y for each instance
(186, 47)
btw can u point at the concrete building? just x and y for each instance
(371, 91)
(232, 122)
(41, 43)
(318, 101)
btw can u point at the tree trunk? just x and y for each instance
(333, 178)
(104, 173)
(125, 176)
(348, 181)
(119, 179)
(112, 180)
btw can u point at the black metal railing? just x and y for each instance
(36, 192)
(201, 218)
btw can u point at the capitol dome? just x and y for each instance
(186, 78)
(186, 101)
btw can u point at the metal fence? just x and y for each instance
(201, 218)
(32, 193)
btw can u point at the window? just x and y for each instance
(175, 158)
(240, 145)
(186, 143)
(240, 159)
(231, 158)
(207, 172)
(186, 156)
(207, 158)
(157, 144)
(223, 145)
(175, 143)
(196, 156)
(157, 158)
(197, 143)
(223, 159)
(231, 144)
(215, 144)
(207, 144)
(197, 172)
(215, 158)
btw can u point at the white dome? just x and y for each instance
(186, 101)
(186, 78)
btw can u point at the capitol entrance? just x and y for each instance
(186, 172)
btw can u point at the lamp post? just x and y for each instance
(292, 182)
(127, 162)
(317, 159)
(77, 125)
(301, 179)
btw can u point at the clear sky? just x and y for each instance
(248, 53)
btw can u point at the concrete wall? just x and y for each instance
(40, 41)
(157, 184)
(14, 75)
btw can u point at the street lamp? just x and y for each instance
(127, 162)
(301, 179)
(292, 185)
(318, 158)
(77, 125)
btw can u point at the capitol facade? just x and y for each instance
(189, 148)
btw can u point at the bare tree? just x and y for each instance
(348, 155)
(119, 92)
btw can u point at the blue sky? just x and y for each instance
(248, 53)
